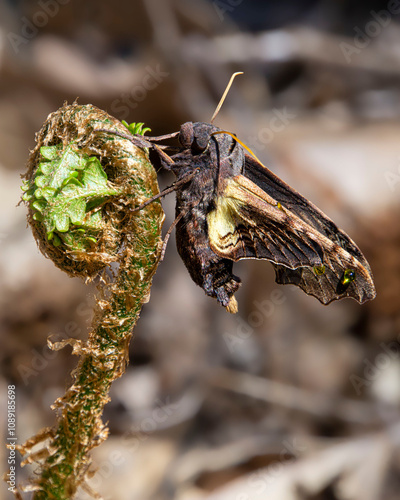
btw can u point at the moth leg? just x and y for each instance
(141, 142)
(164, 192)
(162, 137)
(168, 234)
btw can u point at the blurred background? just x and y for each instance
(288, 400)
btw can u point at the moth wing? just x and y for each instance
(277, 189)
(250, 223)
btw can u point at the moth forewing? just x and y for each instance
(299, 205)
(361, 283)
(248, 223)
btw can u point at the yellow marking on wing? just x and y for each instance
(221, 223)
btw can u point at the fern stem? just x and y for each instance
(132, 240)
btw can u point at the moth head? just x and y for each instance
(186, 135)
(195, 136)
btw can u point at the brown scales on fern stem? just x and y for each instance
(65, 455)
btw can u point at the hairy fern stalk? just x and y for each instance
(80, 188)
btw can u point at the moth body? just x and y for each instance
(195, 200)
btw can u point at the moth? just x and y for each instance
(229, 207)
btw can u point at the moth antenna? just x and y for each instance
(221, 102)
(239, 141)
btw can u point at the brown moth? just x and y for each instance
(229, 207)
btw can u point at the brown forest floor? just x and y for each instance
(303, 405)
